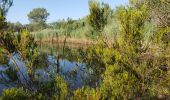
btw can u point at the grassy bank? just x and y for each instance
(76, 33)
(66, 40)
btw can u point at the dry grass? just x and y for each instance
(67, 40)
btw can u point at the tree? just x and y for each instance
(15, 27)
(98, 15)
(2, 20)
(5, 5)
(38, 17)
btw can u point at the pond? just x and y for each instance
(71, 66)
(67, 56)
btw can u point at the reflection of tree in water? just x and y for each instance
(78, 56)
(71, 53)
(41, 61)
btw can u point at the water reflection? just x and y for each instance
(65, 56)
(71, 67)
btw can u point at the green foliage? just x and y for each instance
(15, 94)
(98, 15)
(130, 70)
(2, 21)
(162, 37)
(26, 44)
(130, 76)
(3, 56)
(38, 17)
(131, 24)
(73, 28)
(50, 34)
(5, 5)
(158, 10)
(8, 41)
(56, 88)
(125, 68)
(47, 34)
(85, 93)
(14, 27)
(61, 88)
(41, 61)
(21, 42)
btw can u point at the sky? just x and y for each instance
(58, 9)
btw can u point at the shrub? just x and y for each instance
(85, 93)
(15, 94)
(61, 88)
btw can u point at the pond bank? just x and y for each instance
(67, 40)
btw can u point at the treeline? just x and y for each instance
(79, 28)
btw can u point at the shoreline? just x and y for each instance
(67, 40)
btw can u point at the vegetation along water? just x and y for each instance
(110, 54)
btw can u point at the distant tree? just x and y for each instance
(15, 27)
(98, 17)
(38, 17)
(11, 26)
(18, 26)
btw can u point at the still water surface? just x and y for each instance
(70, 66)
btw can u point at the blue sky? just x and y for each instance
(58, 9)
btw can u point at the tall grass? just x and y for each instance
(86, 32)
(50, 33)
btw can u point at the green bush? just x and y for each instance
(61, 87)
(15, 94)
(85, 93)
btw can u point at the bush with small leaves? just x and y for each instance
(86, 93)
(15, 94)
